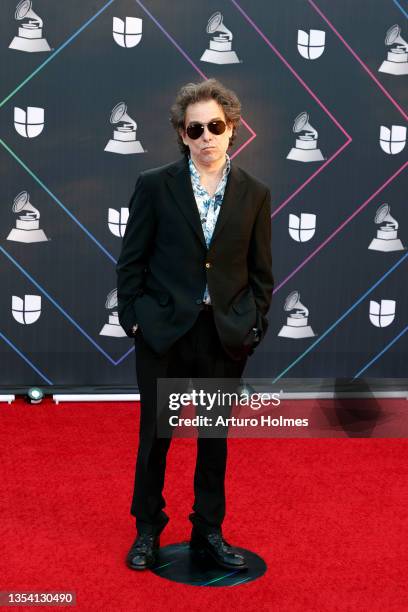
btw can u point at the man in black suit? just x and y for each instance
(194, 286)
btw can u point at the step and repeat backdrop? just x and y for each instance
(85, 92)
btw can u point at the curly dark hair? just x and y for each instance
(210, 89)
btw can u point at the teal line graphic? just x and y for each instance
(30, 363)
(20, 161)
(403, 11)
(341, 318)
(241, 581)
(165, 565)
(219, 578)
(381, 353)
(58, 50)
(54, 197)
(61, 310)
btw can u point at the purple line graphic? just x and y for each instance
(63, 311)
(311, 177)
(315, 98)
(341, 226)
(197, 69)
(358, 58)
(292, 70)
(25, 358)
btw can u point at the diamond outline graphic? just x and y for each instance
(56, 199)
(313, 95)
(362, 206)
(341, 318)
(253, 134)
(63, 311)
(341, 226)
(29, 171)
(358, 59)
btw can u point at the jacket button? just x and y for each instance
(199, 301)
(208, 265)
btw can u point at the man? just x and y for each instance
(194, 287)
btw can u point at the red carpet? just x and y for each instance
(328, 516)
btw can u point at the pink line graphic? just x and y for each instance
(307, 181)
(312, 94)
(360, 61)
(197, 69)
(341, 226)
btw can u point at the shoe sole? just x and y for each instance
(140, 568)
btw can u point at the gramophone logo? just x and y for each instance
(305, 149)
(30, 34)
(127, 33)
(113, 327)
(383, 314)
(387, 239)
(297, 321)
(220, 51)
(392, 141)
(311, 46)
(28, 222)
(29, 123)
(397, 56)
(302, 228)
(26, 311)
(117, 221)
(124, 134)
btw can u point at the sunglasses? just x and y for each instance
(195, 130)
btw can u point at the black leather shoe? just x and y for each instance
(143, 552)
(214, 546)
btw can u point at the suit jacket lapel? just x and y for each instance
(234, 191)
(179, 182)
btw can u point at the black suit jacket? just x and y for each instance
(164, 263)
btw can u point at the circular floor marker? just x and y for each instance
(177, 563)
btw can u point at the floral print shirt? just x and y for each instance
(208, 207)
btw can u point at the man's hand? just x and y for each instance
(132, 331)
(134, 256)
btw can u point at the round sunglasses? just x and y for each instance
(195, 130)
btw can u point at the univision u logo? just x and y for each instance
(383, 314)
(127, 33)
(392, 141)
(29, 123)
(312, 45)
(28, 310)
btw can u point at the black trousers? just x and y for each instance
(199, 354)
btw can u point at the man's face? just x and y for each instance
(208, 148)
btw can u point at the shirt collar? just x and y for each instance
(195, 173)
